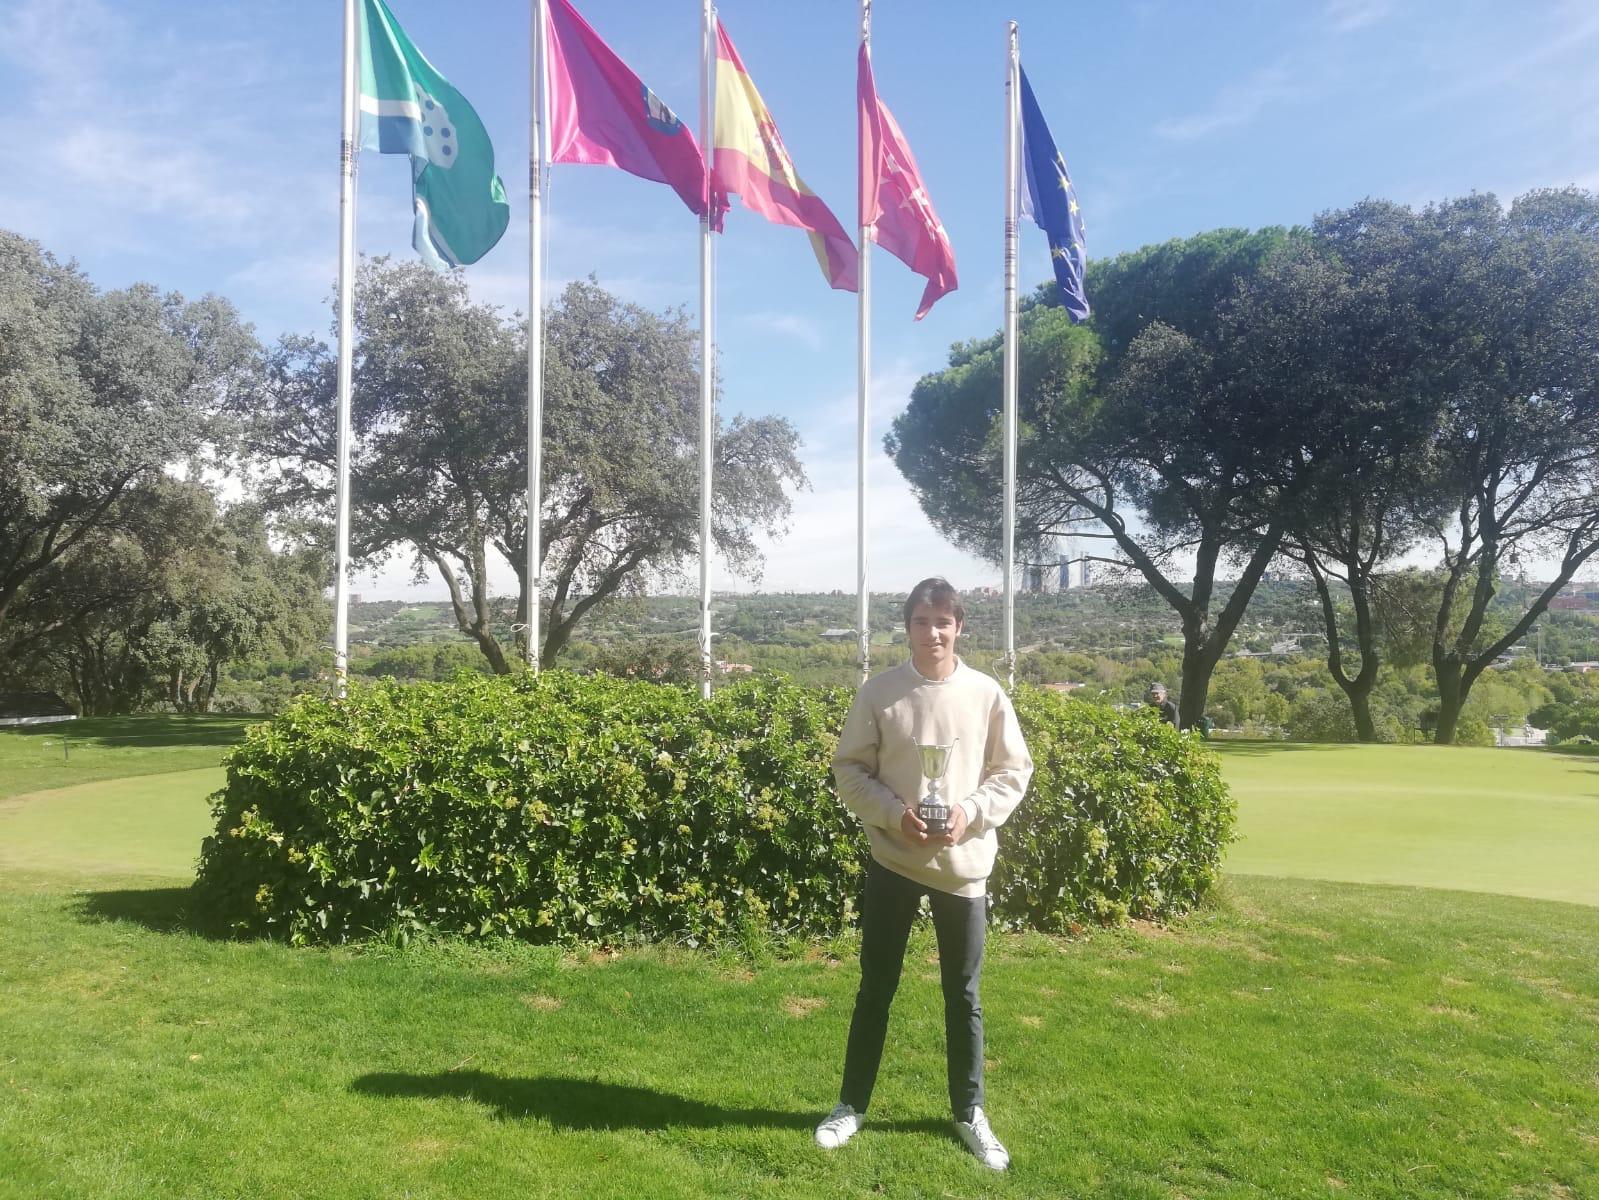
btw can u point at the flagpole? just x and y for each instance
(533, 584)
(1012, 109)
(863, 596)
(341, 537)
(707, 342)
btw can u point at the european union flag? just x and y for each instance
(1051, 201)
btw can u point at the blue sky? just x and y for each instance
(195, 146)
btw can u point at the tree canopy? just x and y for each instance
(1156, 428)
(101, 395)
(439, 473)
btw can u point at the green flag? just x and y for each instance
(409, 108)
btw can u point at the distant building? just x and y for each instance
(837, 635)
(733, 668)
(1046, 578)
(34, 708)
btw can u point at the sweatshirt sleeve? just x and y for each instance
(1007, 767)
(855, 770)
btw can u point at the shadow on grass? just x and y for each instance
(161, 910)
(157, 729)
(1244, 748)
(587, 1104)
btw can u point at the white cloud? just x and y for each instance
(110, 152)
(1570, 28)
(792, 325)
(818, 553)
(1236, 104)
(1346, 16)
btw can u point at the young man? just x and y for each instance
(934, 699)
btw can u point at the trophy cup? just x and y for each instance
(933, 810)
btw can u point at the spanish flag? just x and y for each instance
(751, 161)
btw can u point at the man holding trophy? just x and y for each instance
(932, 761)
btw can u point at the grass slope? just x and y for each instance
(1517, 822)
(33, 759)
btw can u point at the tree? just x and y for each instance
(1164, 435)
(200, 589)
(441, 465)
(1512, 298)
(1336, 308)
(101, 393)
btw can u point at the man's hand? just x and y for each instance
(957, 826)
(914, 828)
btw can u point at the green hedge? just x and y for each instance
(589, 808)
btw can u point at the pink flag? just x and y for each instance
(895, 210)
(601, 113)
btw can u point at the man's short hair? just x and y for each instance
(935, 592)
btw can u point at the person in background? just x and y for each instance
(934, 699)
(1157, 700)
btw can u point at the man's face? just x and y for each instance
(933, 632)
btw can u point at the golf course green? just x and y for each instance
(1513, 822)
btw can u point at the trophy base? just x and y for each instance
(937, 821)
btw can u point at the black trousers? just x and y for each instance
(960, 922)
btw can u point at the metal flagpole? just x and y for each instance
(707, 343)
(341, 537)
(533, 584)
(863, 597)
(1012, 123)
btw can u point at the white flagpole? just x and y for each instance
(534, 576)
(1012, 111)
(341, 537)
(707, 342)
(863, 596)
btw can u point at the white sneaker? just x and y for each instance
(841, 1124)
(980, 1140)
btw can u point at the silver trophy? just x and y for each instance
(933, 810)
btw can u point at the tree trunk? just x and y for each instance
(1451, 699)
(1201, 653)
(1357, 689)
(473, 616)
(1360, 705)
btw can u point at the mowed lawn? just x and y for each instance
(1515, 822)
(38, 757)
(1298, 1038)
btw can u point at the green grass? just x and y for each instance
(1303, 1040)
(148, 826)
(1300, 1038)
(1517, 822)
(33, 758)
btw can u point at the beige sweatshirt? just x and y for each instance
(879, 772)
